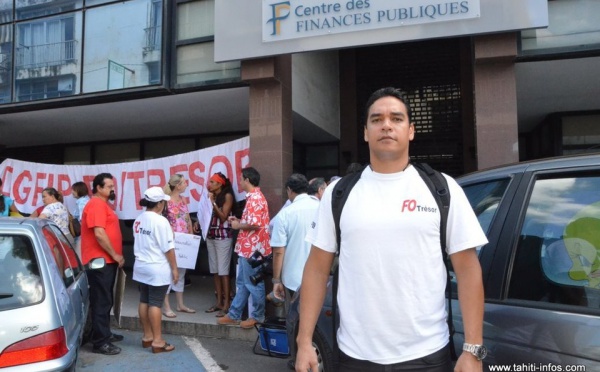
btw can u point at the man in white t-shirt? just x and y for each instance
(392, 278)
(290, 249)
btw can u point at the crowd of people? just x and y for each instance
(391, 254)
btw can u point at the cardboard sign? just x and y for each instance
(186, 250)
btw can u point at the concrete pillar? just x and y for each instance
(496, 126)
(270, 106)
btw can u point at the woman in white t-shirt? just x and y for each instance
(155, 266)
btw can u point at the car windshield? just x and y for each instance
(21, 283)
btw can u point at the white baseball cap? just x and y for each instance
(156, 194)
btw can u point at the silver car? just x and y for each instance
(44, 297)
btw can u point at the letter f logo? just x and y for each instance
(276, 10)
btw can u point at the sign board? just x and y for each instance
(244, 30)
(283, 20)
(186, 250)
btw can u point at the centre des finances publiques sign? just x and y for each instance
(292, 19)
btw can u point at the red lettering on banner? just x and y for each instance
(64, 179)
(136, 177)
(152, 173)
(195, 175)
(7, 170)
(242, 159)
(89, 181)
(221, 159)
(37, 190)
(180, 168)
(19, 199)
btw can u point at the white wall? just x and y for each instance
(316, 89)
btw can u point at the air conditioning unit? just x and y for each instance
(65, 84)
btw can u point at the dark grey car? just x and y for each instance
(44, 297)
(541, 267)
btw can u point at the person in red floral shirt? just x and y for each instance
(253, 236)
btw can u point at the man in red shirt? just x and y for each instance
(253, 236)
(101, 237)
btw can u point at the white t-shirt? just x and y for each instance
(289, 231)
(392, 279)
(153, 238)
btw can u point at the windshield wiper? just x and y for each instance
(6, 295)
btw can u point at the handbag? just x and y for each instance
(74, 226)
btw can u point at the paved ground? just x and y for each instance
(190, 354)
(201, 345)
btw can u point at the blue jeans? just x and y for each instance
(245, 288)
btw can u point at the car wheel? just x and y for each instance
(324, 353)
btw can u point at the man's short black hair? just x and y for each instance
(297, 183)
(99, 181)
(315, 184)
(252, 175)
(387, 92)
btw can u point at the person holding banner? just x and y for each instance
(179, 218)
(219, 239)
(6, 204)
(155, 266)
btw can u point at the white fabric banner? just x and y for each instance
(24, 181)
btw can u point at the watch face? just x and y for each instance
(480, 352)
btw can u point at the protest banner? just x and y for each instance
(24, 181)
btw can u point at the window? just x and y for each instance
(21, 284)
(195, 47)
(122, 45)
(558, 253)
(484, 199)
(64, 256)
(31, 90)
(572, 26)
(48, 42)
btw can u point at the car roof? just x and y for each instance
(20, 221)
(533, 165)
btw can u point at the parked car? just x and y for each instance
(541, 267)
(44, 297)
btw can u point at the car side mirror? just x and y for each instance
(96, 263)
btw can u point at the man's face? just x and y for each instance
(108, 191)
(245, 184)
(388, 129)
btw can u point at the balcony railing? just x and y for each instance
(52, 54)
(153, 38)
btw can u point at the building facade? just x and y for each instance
(99, 81)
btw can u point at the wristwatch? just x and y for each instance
(479, 351)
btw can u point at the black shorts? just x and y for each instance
(152, 295)
(439, 361)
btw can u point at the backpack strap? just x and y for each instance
(438, 185)
(340, 193)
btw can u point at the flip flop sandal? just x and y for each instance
(163, 349)
(222, 313)
(170, 314)
(212, 309)
(187, 310)
(146, 344)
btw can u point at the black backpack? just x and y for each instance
(438, 186)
